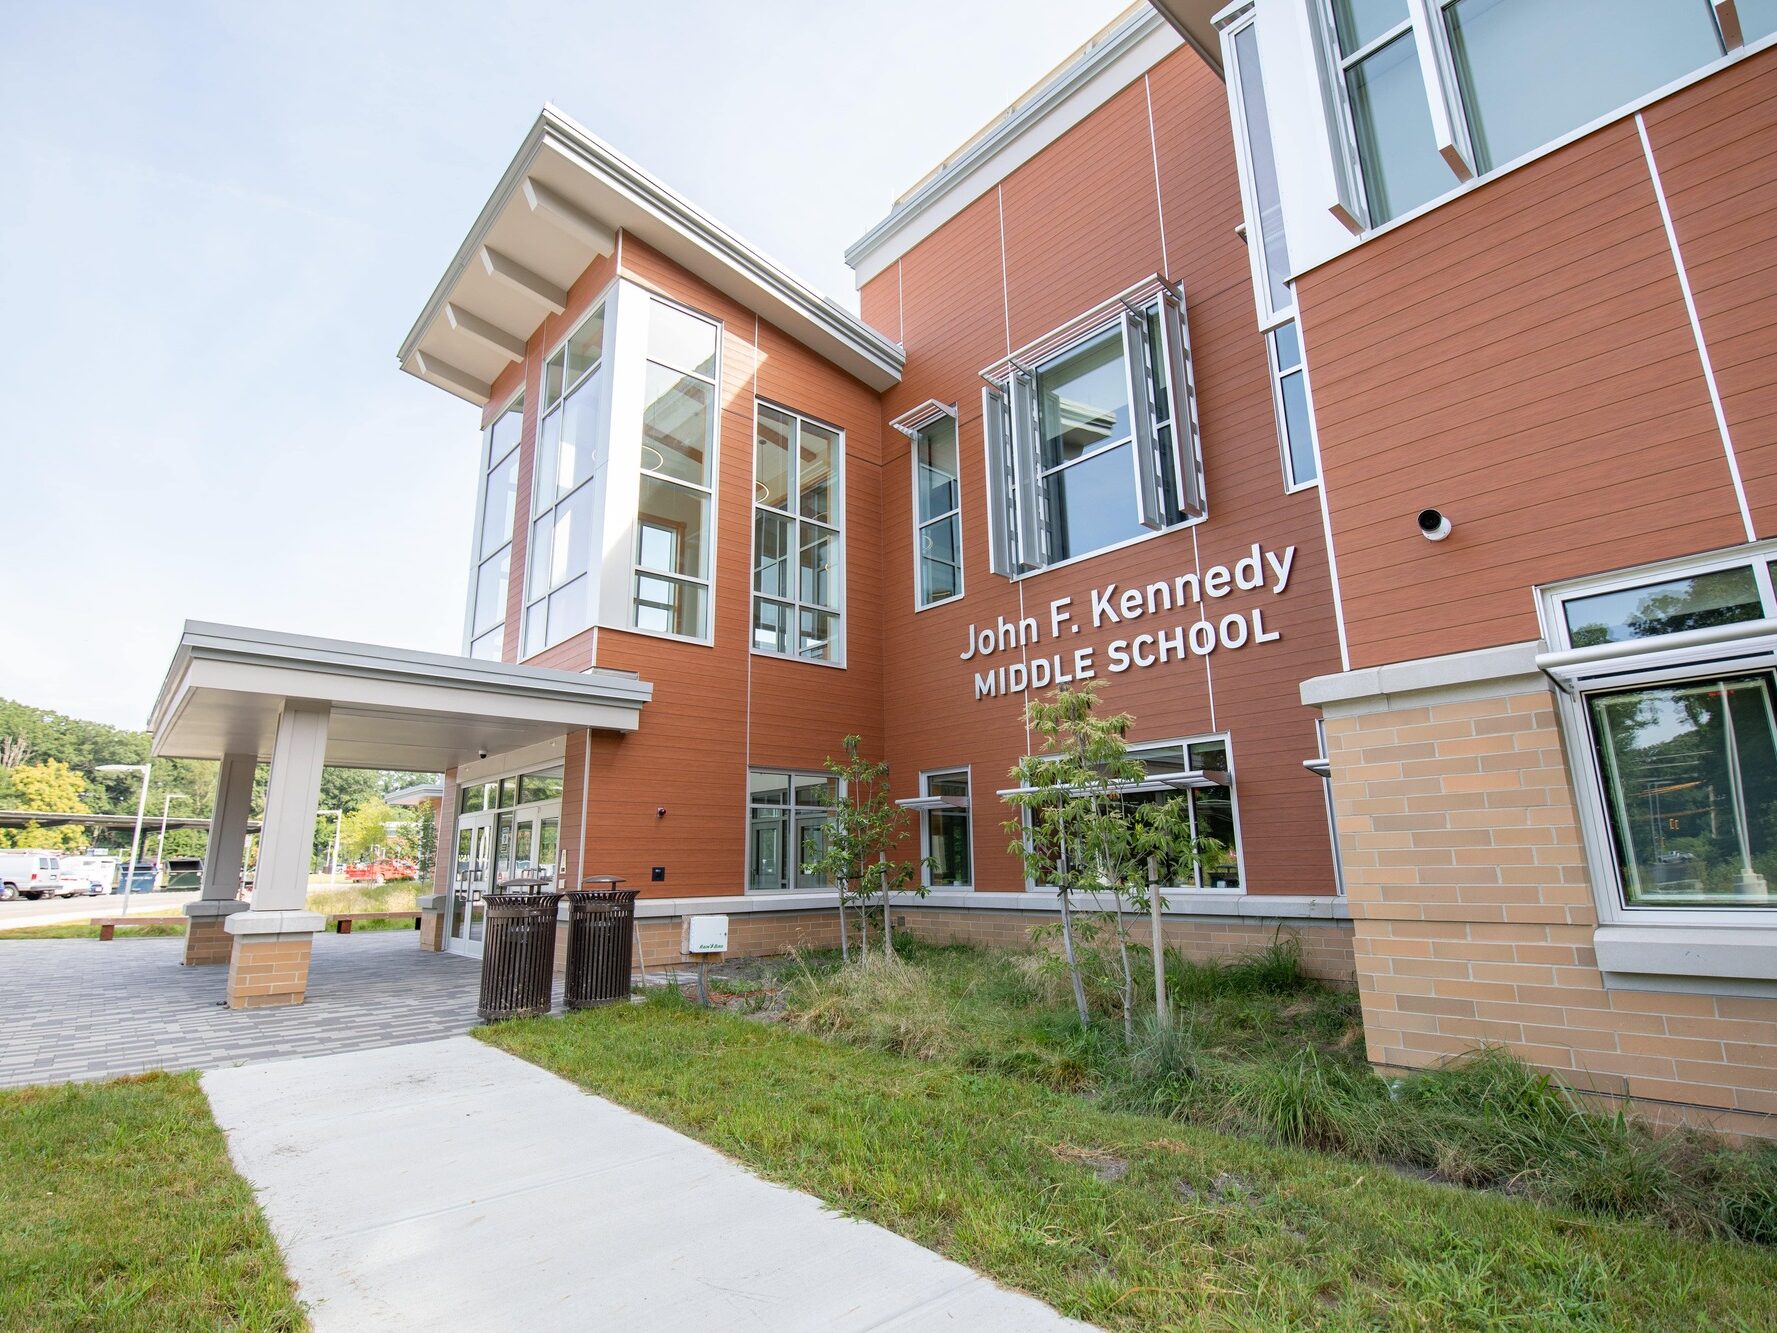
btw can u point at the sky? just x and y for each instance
(218, 221)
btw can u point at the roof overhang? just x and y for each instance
(559, 207)
(1194, 20)
(391, 708)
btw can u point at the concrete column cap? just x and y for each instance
(431, 902)
(275, 923)
(214, 907)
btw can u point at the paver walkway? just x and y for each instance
(452, 1186)
(82, 1009)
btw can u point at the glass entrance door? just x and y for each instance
(470, 883)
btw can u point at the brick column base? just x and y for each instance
(268, 970)
(432, 922)
(207, 941)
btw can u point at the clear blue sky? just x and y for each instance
(217, 221)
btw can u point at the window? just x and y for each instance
(787, 828)
(1084, 452)
(1211, 802)
(1300, 466)
(798, 580)
(493, 538)
(565, 495)
(937, 512)
(1264, 200)
(1669, 693)
(946, 832)
(673, 518)
(1490, 81)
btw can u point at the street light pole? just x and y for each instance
(333, 860)
(136, 837)
(160, 845)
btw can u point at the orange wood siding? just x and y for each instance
(1081, 223)
(1522, 358)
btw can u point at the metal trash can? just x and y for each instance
(601, 928)
(518, 955)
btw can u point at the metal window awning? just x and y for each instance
(1750, 645)
(1191, 779)
(389, 708)
(933, 803)
(1321, 767)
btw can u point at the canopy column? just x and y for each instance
(269, 963)
(206, 939)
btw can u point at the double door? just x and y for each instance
(491, 848)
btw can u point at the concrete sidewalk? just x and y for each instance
(452, 1186)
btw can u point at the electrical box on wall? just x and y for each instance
(706, 934)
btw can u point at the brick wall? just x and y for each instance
(1474, 915)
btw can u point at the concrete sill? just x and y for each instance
(1702, 960)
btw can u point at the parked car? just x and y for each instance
(91, 875)
(29, 873)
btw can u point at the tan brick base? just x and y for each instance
(1475, 918)
(269, 970)
(207, 943)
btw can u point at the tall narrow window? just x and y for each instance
(565, 493)
(493, 540)
(1264, 203)
(798, 580)
(672, 555)
(1390, 116)
(1291, 400)
(947, 850)
(937, 511)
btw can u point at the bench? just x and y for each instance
(342, 922)
(108, 924)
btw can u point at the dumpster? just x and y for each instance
(185, 872)
(518, 953)
(601, 928)
(141, 880)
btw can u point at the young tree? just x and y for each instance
(1079, 830)
(862, 834)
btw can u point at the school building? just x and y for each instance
(1373, 394)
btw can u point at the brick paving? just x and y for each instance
(81, 1009)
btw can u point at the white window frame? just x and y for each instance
(755, 508)
(1017, 526)
(1746, 648)
(1451, 135)
(476, 560)
(1231, 25)
(792, 867)
(1222, 738)
(929, 413)
(967, 772)
(636, 569)
(592, 485)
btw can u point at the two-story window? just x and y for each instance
(1268, 248)
(798, 552)
(1424, 93)
(493, 535)
(1668, 693)
(1092, 437)
(787, 816)
(565, 497)
(673, 518)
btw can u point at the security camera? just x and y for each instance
(482, 753)
(1433, 525)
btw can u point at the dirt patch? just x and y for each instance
(1106, 1166)
(1226, 1188)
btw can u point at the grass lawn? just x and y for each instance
(121, 1211)
(1127, 1220)
(396, 896)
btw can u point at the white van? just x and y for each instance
(90, 875)
(28, 873)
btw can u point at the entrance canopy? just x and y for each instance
(389, 708)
